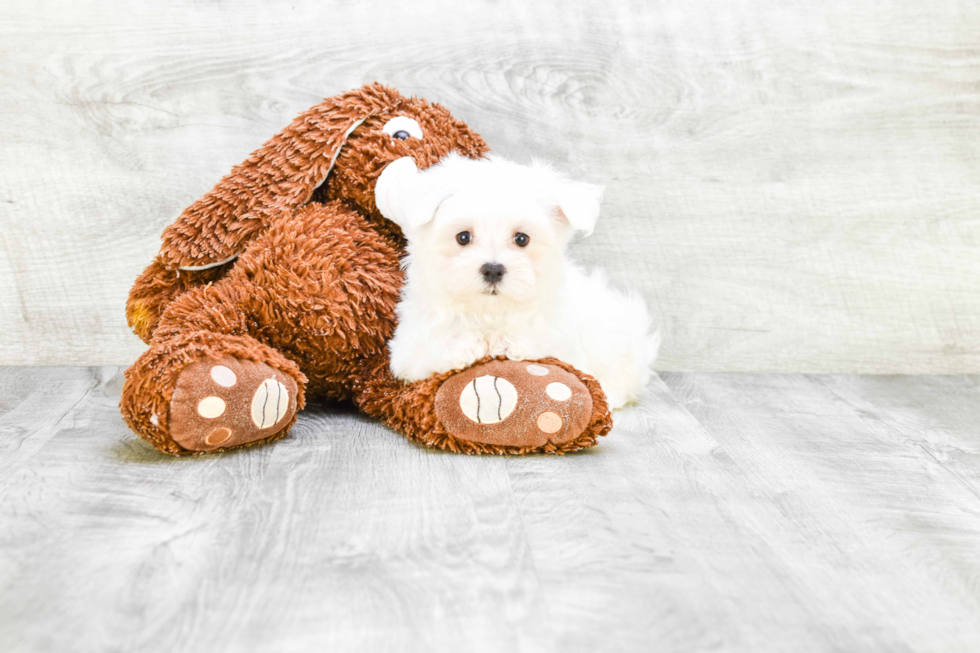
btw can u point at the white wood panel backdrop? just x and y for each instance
(794, 186)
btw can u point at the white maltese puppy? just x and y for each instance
(487, 273)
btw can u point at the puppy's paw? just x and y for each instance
(417, 363)
(515, 348)
(463, 351)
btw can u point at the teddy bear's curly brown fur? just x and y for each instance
(281, 283)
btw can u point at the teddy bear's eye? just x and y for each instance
(464, 238)
(402, 128)
(521, 240)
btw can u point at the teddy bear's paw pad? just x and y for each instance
(514, 403)
(229, 403)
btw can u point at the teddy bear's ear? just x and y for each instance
(409, 198)
(281, 175)
(577, 203)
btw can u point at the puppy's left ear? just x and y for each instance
(578, 203)
(410, 198)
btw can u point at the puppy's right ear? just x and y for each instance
(410, 198)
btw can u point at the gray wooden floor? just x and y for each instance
(726, 512)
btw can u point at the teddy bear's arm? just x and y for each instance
(156, 288)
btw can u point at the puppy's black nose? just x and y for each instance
(492, 272)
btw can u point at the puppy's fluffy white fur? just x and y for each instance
(544, 305)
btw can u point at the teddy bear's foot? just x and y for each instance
(529, 405)
(229, 403)
(206, 391)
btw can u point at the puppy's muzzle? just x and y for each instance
(493, 273)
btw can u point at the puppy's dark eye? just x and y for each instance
(464, 238)
(521, 240)
(401, 134)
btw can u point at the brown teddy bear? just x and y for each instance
(281, 283)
